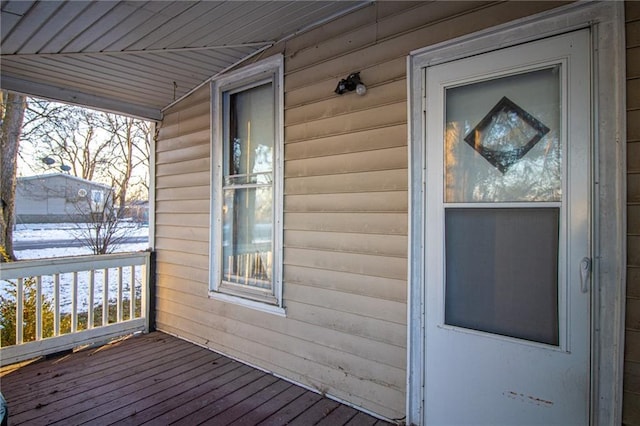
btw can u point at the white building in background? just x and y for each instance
(58, 197)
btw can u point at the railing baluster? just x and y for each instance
(56, 304)
(132, 292)
(105, 298)
(20, 312)
(74, 303)
(144, 292)
(92, 278)
(119, 307)
(38, 307)
(58, 288)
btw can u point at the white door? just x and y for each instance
(507, 239)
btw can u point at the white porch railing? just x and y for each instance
(63, 303)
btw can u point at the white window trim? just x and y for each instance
(606, 21)
(273, 66)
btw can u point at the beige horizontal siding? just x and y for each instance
(378, 287)
(391, 355)
(380, 245)
(391, 93)
(195, 219)
(184, 206)
(184, 180)
(364, 306)
(321, 378)
(373, 76)
(187, 233)
(343, 333)
(345, 207)
(320, 357)
(389, 201)
(633, 85)
(194, 274)
(186, 125)
(372, 223)
(631, 385)
(388, 24)
(382, 159)
(336, 344)
(346, 25)
(367, 140)
(475, 19)
(178, 167)
(381, 116)
(355, 263)
(170, 258)
(201, 192)
(182, 141)
(182, 191)
(326, 317)
(195, 152)
(182, 246)
(388, 180)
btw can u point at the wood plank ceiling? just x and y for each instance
(137, 57)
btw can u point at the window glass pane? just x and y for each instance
(247, 252)
(247, 236)
(502, 271)
(502, 139)
(250, 130)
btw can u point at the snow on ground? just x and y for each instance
(65, 231)
(68, 231)
(43, 231)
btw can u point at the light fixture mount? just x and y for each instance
(352, 82)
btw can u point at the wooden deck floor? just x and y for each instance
(157, 379)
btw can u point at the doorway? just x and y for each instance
(507, 244)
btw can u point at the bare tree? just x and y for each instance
(130, 140)
(95, 146)
(69, 136)
(92, 145)
(99, 229)
(12, 114)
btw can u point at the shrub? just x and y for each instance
(8, 309)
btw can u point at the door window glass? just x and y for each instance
(503, 145)
(502, 271)
(502, 139)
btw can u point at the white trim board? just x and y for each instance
(606, 22)
(266, 69)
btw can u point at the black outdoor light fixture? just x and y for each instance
(352, 82)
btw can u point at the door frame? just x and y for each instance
(608, 189)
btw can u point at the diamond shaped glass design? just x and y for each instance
(506, 134)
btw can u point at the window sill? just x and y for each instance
(259, 306)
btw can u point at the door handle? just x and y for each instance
(585, 274)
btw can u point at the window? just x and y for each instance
(97, 201)
(246, 197)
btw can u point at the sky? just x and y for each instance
(31, 164)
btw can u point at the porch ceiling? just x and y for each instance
(137, 57)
